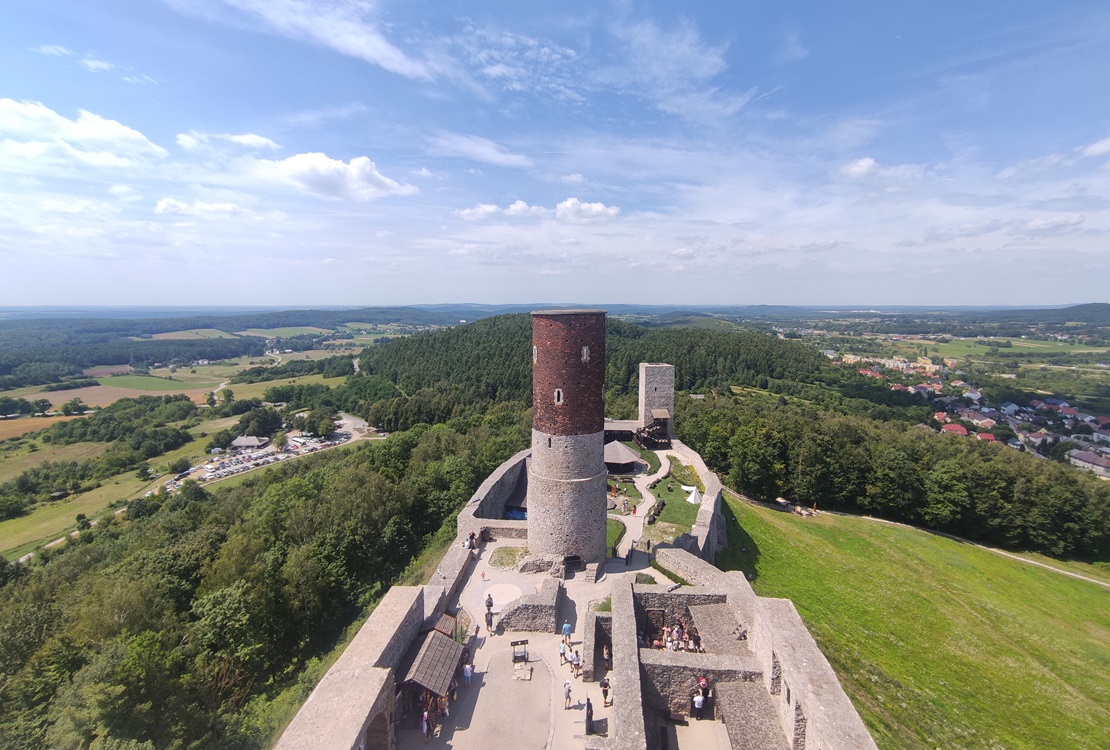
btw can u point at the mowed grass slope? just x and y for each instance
(939, 644)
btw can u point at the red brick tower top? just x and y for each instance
(568, 371)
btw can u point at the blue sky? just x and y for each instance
(301, 152)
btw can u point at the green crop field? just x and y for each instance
(148, 383)
(196, 333)
(255, 390)
(286, 332)
(939, 644)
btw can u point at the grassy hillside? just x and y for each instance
(939, 643)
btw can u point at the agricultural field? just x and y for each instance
(153, 384)
(18, 458)
(104, 371)
(938, 643)
(255, 390)
(53, 520)
(195, 333)
(981, 348)
(286, 332)
(10, 428)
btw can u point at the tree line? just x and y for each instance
(776, 447)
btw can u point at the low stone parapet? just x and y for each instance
(535, 613)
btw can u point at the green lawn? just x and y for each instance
(614, 530)
(939, 644)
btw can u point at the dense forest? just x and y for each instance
(189, 623)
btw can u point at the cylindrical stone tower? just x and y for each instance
(567, 477)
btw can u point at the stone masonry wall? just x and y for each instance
(818, 711)
(626, 730)
(656, 391)
(708, 530)
(672, 676)
(361, 683)
(536, 612)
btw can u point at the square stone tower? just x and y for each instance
(567, 476)
(657, 393)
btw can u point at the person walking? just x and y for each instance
(562, 653)
(604, 691)
(566, 632)
(468, 670)
(605, 656)
(699, 704)
(577, 664)
(566, 695)
(425, 726)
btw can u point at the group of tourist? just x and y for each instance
(435, 706)
(679, 637)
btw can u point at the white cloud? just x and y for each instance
(93, 65)
(39, 137)
(1098, 148)
(517, 63)
(198, 208)
(791, 49)
(860, 167)
(56, 50)
(344, 27)
(516, 209)
(479, 212)
(574, 210)
(139, 78)
(520, 208)
(573, 179)
(316, 173)
(1053, 224)
(124, 193)
(194, 140)
(477, 149)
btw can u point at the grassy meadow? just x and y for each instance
(939, 644)
(286, 332)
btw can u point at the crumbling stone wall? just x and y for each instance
(535, 612)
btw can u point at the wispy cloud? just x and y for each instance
(197, 208)
(194, 140)
(55, 50)
(316, 117)
(675, 69)
(571, 210)
(476, 148)
(791, 49)
(94, 65)
(1098, 148)
(345, 26)
(518, 63)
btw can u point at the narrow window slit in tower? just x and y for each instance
(535, 355)
(558, 395)
(549, 442)
(585, 355)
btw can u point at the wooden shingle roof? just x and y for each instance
(435, 662)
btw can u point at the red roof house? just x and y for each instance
(957, 429)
